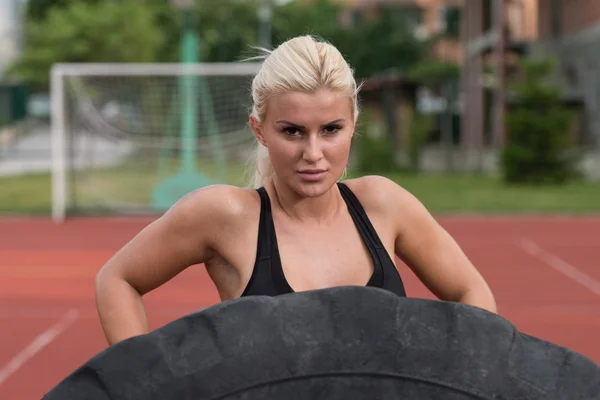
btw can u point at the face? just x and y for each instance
(308, 136)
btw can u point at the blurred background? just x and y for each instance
(474, 106)
(120, 107)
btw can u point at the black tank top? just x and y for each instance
(268, 278)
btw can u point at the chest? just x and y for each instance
(328, 255)
(324, 256)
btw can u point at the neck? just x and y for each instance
(316, 209)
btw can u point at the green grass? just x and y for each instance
(481, 194)
(133, 184)
(29, 194)
(129, 186)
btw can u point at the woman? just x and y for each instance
(298, 228)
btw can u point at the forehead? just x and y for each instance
(304, 108)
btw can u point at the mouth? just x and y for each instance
(312, 175)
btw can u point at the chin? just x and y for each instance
(313, 189)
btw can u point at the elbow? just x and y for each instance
(107, 285)
(103, 279)
(119, 307)
(111, 287)
(102, 285)
(480, 296)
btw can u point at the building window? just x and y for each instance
(452, 21)
(571, 75)
(591, 95)
(488, 15)
(410, 16)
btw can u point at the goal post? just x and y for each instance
(133, 138)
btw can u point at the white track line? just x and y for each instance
(560, 265)
(38, 344)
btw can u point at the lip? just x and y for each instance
(312, 175)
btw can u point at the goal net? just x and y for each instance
(133, 138)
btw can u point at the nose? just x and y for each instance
(312, 149)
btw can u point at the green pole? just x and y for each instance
(188, 89)
(192, 88)
(169, 190)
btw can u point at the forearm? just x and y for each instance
(481, 297)
(120, 309)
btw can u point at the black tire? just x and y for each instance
(341, 343)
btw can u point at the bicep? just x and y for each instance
(432, 254)
(164, 248)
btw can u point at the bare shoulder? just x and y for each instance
(191, 232)
(220, 204)
(203, 218)
(381, 194)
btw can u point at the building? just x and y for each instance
(471, 39)
(566, 31)
(570, 32)
(495, 34)
(426, 17)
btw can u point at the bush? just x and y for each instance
(374, 149)
(538, 148)
(419, 130)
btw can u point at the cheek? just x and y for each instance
(284, 152)
(338, 150)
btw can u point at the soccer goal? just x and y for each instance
(134, 138)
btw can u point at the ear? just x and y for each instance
(258, 130)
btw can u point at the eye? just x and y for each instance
(291, 131)
(331, 129)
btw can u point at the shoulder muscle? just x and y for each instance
(185, 235)
(379, 193)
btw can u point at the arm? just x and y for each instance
(175, 241)
(433, 255)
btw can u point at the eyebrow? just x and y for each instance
(303, 127)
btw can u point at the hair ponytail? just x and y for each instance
(262, 167)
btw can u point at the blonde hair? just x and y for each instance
(304, 64)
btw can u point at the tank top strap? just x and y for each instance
(268, 261)
(360, 217)
(264, 227)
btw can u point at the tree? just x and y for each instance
(539, 148)
(371, 45)
(86, 32)
(38, 10)
(319, 17)
(389, 43)
(228, 29)
(149, 31)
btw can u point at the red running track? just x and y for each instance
(544, 271)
